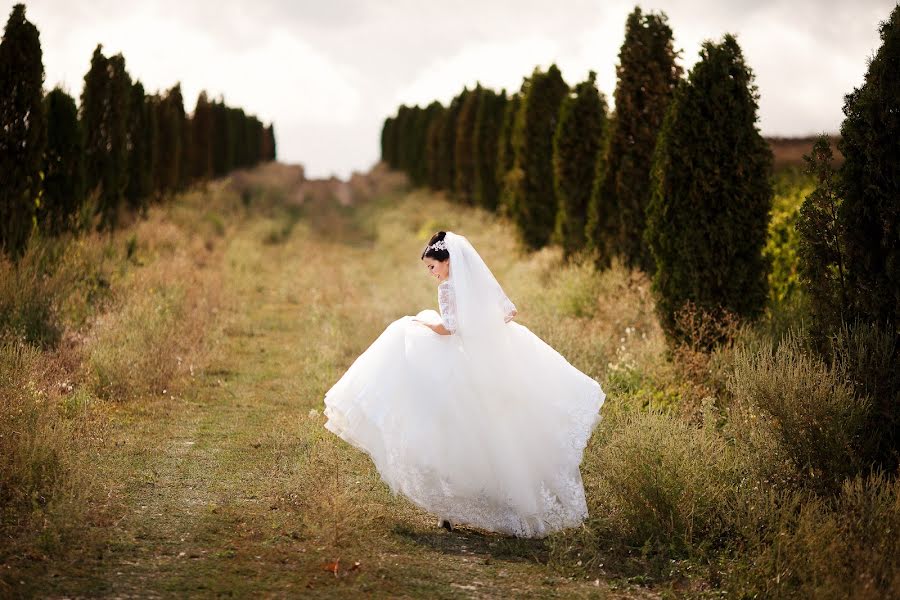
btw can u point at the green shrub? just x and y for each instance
(662, 483)
(708, 214)
(789, 408)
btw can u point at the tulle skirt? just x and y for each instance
(490, 436)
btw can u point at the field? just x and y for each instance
(168, 438)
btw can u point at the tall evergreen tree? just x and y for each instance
(420, 168)
(870, 184)
(388, 143)
(464, 152)
(434, 148)
(506, 156)
(709, 210)
(23, 133)
(647, 76)
(488, 122)
(170, 120)
(577, 143)
(447, 146)
(272, 144)
(142, 151)
(223, 159)
(535, 125)
(202, 146)
(64, 183)
(105, 105)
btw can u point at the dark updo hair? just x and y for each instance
(436, 254)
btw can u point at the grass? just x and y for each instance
(245, 302)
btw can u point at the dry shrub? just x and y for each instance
(329, 489)
(660, 483)
(803, 546)
(156, 338)
(47, 429)
(788, 405)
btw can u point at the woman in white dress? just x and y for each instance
(467, 413)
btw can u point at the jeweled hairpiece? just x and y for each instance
(438, 245)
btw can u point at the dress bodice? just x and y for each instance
(447, 304)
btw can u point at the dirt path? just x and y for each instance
(236, 490)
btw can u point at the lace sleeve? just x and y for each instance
(447, 303)
(508, 308)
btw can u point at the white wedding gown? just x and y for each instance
(492, 440)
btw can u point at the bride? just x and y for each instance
(467, 413)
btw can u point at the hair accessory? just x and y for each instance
(438, 245)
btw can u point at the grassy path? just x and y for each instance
(236, 489)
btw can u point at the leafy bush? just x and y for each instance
(789, 407)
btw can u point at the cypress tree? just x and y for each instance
(506, 157)
(576, 151)
(171, 117)
(647, 76)
(870, 184)
(64, 183)
(434, 148)
(23, 133)
(401, 139)
(488, 121)
(420, 172)
(142, 153)
(447, 146)
(202, 146)
(534, 196)
(272, 144)
(708, 214)
(223, 157)
(464, 152)
(105, 105)
(387, 142)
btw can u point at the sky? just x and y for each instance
(328, 72)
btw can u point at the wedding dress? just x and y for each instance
(486, 426)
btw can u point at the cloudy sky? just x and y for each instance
(327, 72)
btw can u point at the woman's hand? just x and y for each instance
(437, 328)
(511, 315)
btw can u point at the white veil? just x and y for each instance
(479, 298)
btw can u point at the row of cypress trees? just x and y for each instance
(677, 181)
(126, 146)
(567, 171)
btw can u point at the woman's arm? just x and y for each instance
(435, 327)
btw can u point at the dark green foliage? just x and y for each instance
(870, 184)
(576, 149)
(418, 142)
(506, 155)
(388, 143)
(850, 244)
(141, 160)
(647, 76)
(403, 125)
(64, 184)
(105, 105)
(23, 130)
(223, 139)
(488, 121)
(202, 148)
(271, 145)
(708, 215)
(821, 252)
(170, 119)
(446, 151)
(534, 198)
(433, 147)
(464, 153)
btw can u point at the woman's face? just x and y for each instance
(438, 269)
